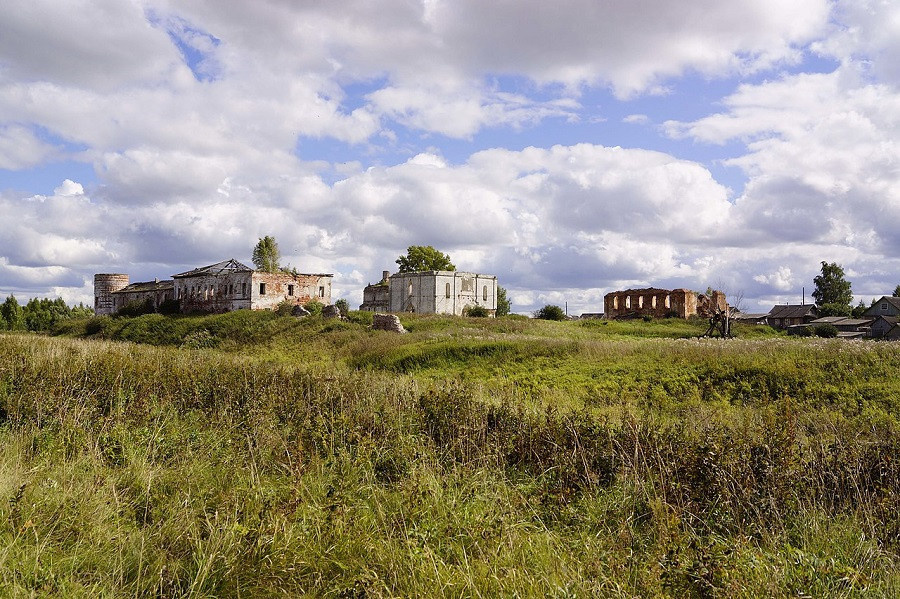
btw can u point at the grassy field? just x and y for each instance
(251, 455)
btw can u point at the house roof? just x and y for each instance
(793, 311)
(748, 316)
(226, 266)
(893, 301)
(148, 286)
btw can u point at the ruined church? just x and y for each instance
(431, 292)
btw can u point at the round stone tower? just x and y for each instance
(104, 285)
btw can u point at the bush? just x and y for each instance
(170, 306)
(476, 312)
(550, 312)
(285, 308)
(805, 332)
(314, 307)
(828, 331)
(136, 308)
(95, 325)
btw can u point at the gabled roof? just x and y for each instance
(224, 267)
(148, 286)
(793, 311)
(891, 320)
(893, 301)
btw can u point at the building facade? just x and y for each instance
(661, 303)
(432, 292)
(221, 287)
(784, 316)
(377, 296)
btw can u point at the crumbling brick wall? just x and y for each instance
(661, 303)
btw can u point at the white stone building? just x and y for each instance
(434, 292)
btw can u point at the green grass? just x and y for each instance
(471, 457)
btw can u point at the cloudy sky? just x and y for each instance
(571, 147)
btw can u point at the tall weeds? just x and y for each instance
(135, 470)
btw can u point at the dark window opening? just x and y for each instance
(262, 288)
(321, 292)
(290, 290)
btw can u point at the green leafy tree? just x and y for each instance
(344, 307)
(503, 304)
(266, 255)
(832, 288)
(42, 314)
(12, 313)
(859, 310)
(550, 312)
(835, 310)
(424, 257)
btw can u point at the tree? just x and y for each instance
(832, 287)
(896, 291)
(503, 304)
(550, 312)
(12, 314)
(344, 307)
(424, 257)
(859, 310)
(266, 255)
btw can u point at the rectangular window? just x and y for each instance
(262, 288)
(321, 292)
(290, 290)
(484, 293)
(244, 289)
(447, 290)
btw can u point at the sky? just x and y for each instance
(571, 148)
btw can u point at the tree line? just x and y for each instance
(38, 314)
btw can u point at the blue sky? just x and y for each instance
(572, 148)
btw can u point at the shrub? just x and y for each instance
(314, 307)
(170, 306)
(285, 308)
(550, 312)
(201, 339)
(95, 325)
(136, 308)
(805, 332)
(828, 331)
(647, 318)
(475, 312)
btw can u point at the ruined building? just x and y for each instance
(431, 292)
(221, 287)
(662, 303)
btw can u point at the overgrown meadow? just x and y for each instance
(254, 455)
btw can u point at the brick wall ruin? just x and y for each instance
(662, 303)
